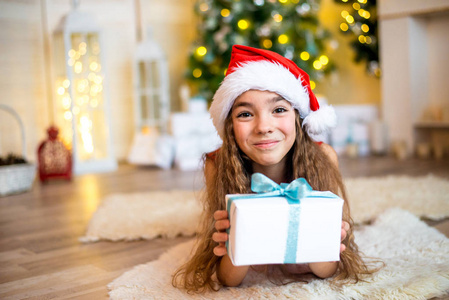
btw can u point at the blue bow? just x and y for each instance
(293, 192)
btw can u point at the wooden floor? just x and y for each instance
(41, 257)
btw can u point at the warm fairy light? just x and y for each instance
(94, 66)
(304, 55)
(368, 40)
(283, 1)
(71, 62)
(76, 110)
(66, 83)
(61, 90)
(312, 84)
(98, 80)
(66, 102)
(356, 6)
(86, 136)
(364, 27)
(350, 19)
(267, 44)
(324, 60)
(283, 39)
(201, 51)
(277, 18)
(344, 1)
(317, 65)
(94, 103)
(362, 39)
(362, 1)
(344, 14)
(243, 24)
(78, 67)
(344, 27)
(225, 71)
(225, 12)
(204, 7)
(71, 53)
(197, 73)
(366, 14)
(68, 115)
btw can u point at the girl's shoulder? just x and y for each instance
(329, 152)
(212, 155)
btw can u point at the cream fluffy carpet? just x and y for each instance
(415, 255)
(170, 213)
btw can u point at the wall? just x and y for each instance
(414, 46)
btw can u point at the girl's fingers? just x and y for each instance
(220, 250)
(221, 225)
(220, 237)
(345, 225)
(220, 214)
(342, 248)
(343, 235)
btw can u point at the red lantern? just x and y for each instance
(55, 160)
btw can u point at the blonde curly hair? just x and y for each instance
(232, 175)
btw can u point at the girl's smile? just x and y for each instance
(264, 126)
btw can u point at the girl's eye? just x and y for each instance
(280, 110)
(244, 115)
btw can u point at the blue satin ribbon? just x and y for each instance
(293, 192)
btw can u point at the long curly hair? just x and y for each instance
(232, 175)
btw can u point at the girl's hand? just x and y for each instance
(344, 228)
(220, 237)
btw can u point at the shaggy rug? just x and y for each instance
(171, 213)
(415, 257)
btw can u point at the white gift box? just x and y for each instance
(260, 227)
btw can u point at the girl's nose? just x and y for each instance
(263, 125)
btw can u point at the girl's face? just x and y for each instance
(264, 126)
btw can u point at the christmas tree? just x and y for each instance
(288, 27)
(360, 21)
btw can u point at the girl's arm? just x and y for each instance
(227, 273)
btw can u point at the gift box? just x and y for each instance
(283, 224)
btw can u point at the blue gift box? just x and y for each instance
(287, 223)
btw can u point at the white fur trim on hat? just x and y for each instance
(264, 76)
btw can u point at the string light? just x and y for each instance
(267, 44)
(277, 18)
(201, 51)
(364, 27)
(283, 39)
(225, 12)
(317, 65)
(304, 55)
(312, 84)
(344, 27)
(204, 7)
(324, 60)
(197, 73)
(283, 1)
(243, 24)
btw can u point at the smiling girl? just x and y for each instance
(264, 111)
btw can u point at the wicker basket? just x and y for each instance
(16, 178)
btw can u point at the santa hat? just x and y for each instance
(257, 69)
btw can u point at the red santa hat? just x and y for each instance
(257, 69)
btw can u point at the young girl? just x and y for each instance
(265, 111)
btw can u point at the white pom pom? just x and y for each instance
(321, 120)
